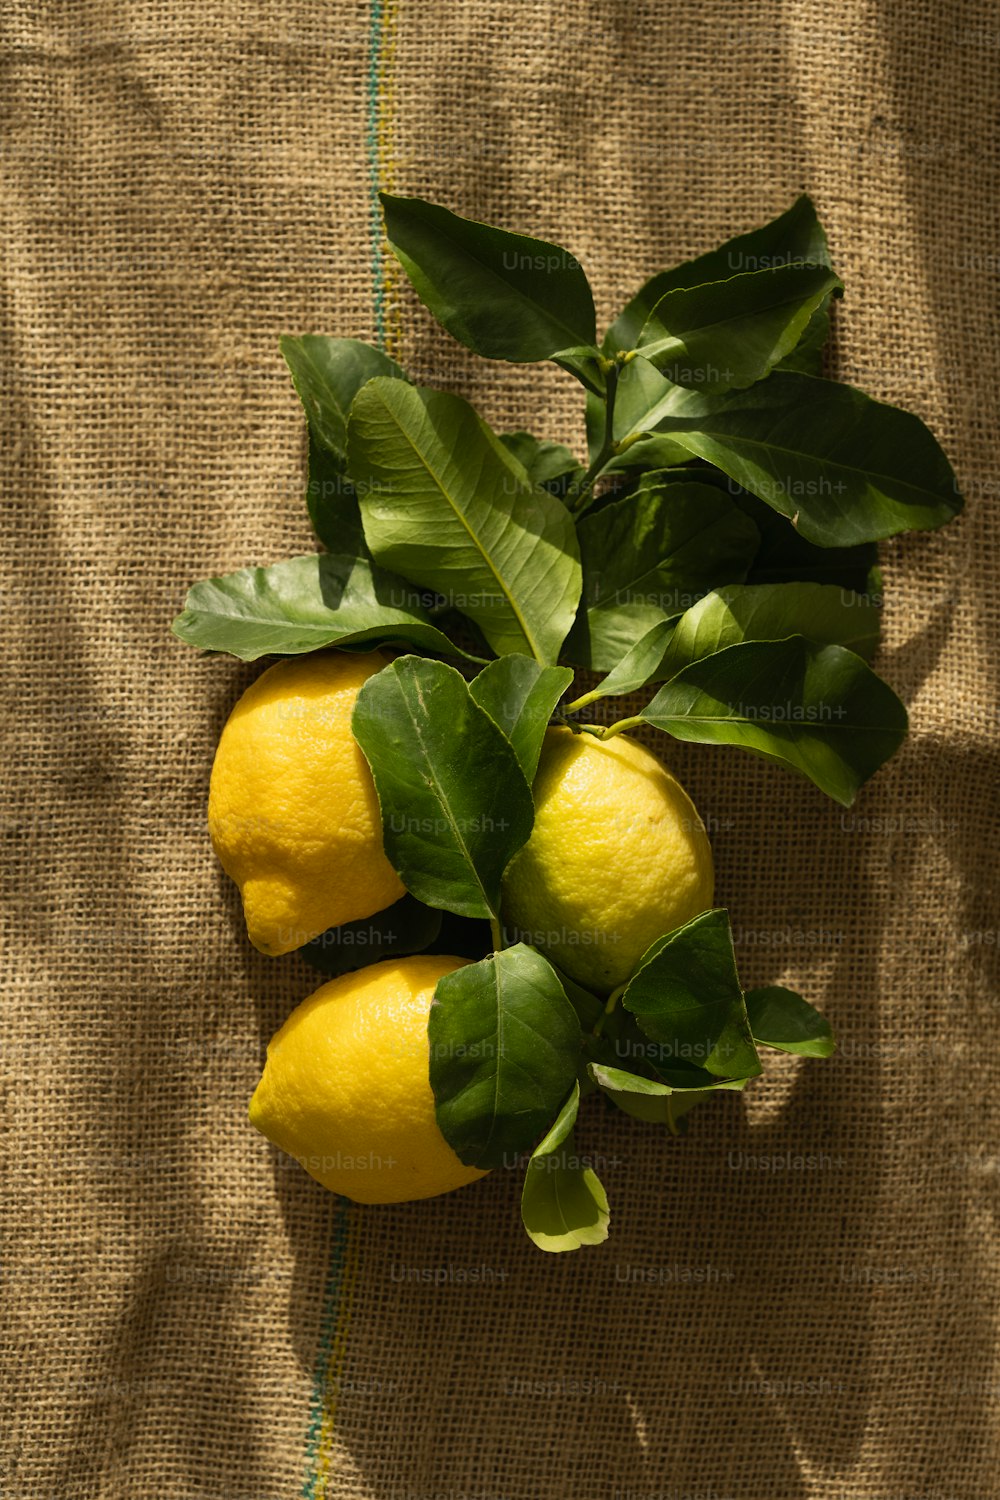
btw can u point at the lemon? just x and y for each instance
(292, 809)
(346, 1088)
(617, 857)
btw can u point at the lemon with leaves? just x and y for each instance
(346, 1088)
(292, 808)
(617, 857)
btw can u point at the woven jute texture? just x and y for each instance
(800, 1299)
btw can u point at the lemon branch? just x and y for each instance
(612, 369)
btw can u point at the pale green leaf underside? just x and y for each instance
(563, 1204)
(305, 604)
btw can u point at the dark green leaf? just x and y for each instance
(770, 612)
(504, 1046)
(730, 334)
(650, 1100)
(642, 663)
(519, 697)
(305, 604)
(819, 710)
(547, 464)
(689, 1080)
(446, 505)
(686, 995)
(586, 365)
(624, 1045)
(807, 356)
(328, 373)
(642, 1098)
(588, 1007)
(455, 804)
(843, 467)
(780, 1018)
(650, 556)
(405, 927)
(563, 1205)
(503, 295)
(688, 473)
(654, 452)
(784, 556)
(795, 237)
(332, 503)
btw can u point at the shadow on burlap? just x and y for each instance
(799, 1299)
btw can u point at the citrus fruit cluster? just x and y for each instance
(513, 905)
(617, 854)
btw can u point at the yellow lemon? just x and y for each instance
(346, 1088)
(292, 808)
(617, 857)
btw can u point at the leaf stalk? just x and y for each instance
(611, 730)
(613, 1000)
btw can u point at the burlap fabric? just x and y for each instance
(799, 1300)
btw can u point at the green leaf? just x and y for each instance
(732, 333)
(333, 503)
(622, 1044)
(651, 1101)
(807, 356)
(843, 467)
(455, 804)
(504, 1044)
(589, 1007)
(648, 557)
(446, 505)
(519, 697)
(586, 365)
(795, 237)
(771, 612)
(819, 710)
(784, 556)
(563, 1205)
(503, 295)
(328, 373)
(653, 452)
(686, 995)
(405, 927)
(305, 604)
(688, 473)
(780, 1018)
(642, 663)
(641, 1098)
(549, 465)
